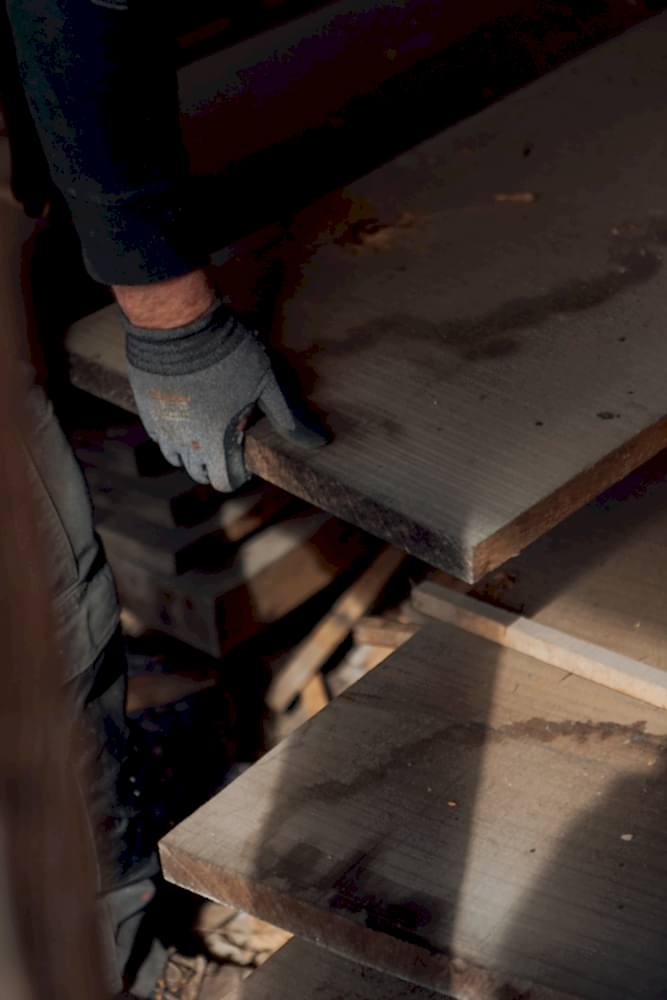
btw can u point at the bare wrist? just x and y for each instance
(164, 305)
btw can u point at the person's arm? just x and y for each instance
(101, 83)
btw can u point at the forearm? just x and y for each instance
(102, 89)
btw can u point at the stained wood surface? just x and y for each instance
(601, 576)
(300, 971)
(486, 367)
(585, 659)
(464, 816)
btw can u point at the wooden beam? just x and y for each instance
(324, 640)
(584, 659)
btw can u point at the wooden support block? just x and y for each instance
(166, 551)
(171, 500)
(378, 631)
(268, 576)
(466, 817)
(322, 643)
(585, 659)
(481, 382)
(175, 500)
(300, 971)
(174, 550)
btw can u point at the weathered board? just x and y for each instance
(466, 817)
(486, 366)
(300, 971)
(601, 575)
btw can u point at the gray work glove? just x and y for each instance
(196, 385)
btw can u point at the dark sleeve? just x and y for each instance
(101, 84)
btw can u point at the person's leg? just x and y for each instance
(85, 613)
(90, 647)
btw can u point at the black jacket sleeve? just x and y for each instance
(101, 84)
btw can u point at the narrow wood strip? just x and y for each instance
(378, 631)
(332, 630)
(584, 659)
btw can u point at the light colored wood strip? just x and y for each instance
(378, 631)
(314, 696)
(585, 659)
(323, 641)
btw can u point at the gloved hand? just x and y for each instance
(196, 385)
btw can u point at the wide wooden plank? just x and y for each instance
(601, 575)
(487, 367)
(464, 816)
(300, 971)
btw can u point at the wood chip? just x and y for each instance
(515, 197)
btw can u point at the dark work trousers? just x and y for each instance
(89, 652)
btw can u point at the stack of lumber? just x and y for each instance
(589, 597)
(209, 570)
(482, 815)
(467, 818)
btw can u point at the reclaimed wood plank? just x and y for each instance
(299, 971)
(486, 368)
(466, 817)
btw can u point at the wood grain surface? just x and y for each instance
(601, 575)
(486, 367)
(466, 817)
(300, 971)
(585, 659)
